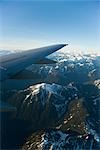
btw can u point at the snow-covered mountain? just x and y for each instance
(43, 104)
(67, 118)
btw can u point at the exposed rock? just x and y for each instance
(75, 119)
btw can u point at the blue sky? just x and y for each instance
(29, 24)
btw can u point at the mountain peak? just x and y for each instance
(51, 88)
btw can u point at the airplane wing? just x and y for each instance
(12, 64)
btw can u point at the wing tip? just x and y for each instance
(61, 45)
(64, 45)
